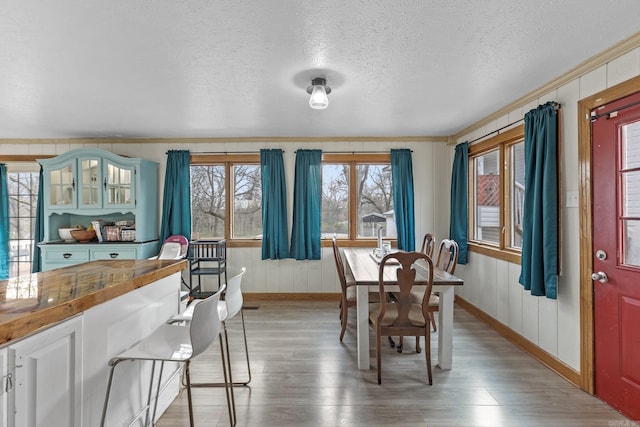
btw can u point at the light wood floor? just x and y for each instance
(304, 376)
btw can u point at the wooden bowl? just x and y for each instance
(65, 233)
(83, 235)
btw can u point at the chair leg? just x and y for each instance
(418, 349)
(427, 352)
(378, 356)
(344, 312)
(433, 321)
(400, 344)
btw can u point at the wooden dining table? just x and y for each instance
(364, 266)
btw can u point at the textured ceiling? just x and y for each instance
(229, 68)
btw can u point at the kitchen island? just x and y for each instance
(59, 328)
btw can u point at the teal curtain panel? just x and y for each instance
(38, 228)
(176, 201)
(539, 272)
(307, 199)
(402, 177)
(459, 212)
(275, 242)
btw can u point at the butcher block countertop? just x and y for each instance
(31, 302)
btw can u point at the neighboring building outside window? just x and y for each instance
(496, 195)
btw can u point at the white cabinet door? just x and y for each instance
(48, 377)
(5, 387)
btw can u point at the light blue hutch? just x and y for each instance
(87, 184)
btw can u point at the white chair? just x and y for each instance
(227, 309)
(174, 247)
(175, 343)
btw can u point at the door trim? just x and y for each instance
(587, 360)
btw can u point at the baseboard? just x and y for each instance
(291, 296)
(515, 338)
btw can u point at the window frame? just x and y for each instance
(353, 160)
(228, 161)
(502, 143)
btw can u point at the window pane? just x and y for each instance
(247, 201)
(23, 193)
(487, 197)
(631, 145)
(375, 201)
(516, 193)
(207, 202)
(631, 193)
(631, 243)
(335, 201)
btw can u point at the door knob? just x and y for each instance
(600, 276)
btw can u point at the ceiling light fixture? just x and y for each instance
(318, 91)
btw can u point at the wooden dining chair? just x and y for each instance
(428, 244)
(347, 287)
(402, 317)
(446, 261)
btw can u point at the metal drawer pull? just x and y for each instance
(66, 255)
(114, 254)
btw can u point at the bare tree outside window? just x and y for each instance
(247, 201)
(208, 202)
(335, 201)
(375, 200)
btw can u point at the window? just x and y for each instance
(226, 197)
(357, 197)
(497, 195)
(22, 183)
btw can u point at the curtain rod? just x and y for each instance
(355, 152)
(223, 152)
(555, 105)
(595, 116)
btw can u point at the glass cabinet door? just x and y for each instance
(119, 185)
(62, 187)
(90, 191)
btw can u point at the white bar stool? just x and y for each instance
(175, 343)
(227, 309)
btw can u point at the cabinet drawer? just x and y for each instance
(68, 255)
(113, 253)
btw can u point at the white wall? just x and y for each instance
(492, 285)
(431, 176)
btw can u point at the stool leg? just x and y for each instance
(246, 349)
(228, 388)
(155, 405)
(188, 378)
(106, 399)
(153, 368)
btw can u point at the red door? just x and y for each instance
(616, 253)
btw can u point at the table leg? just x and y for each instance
(445, 327)
(362, 306)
